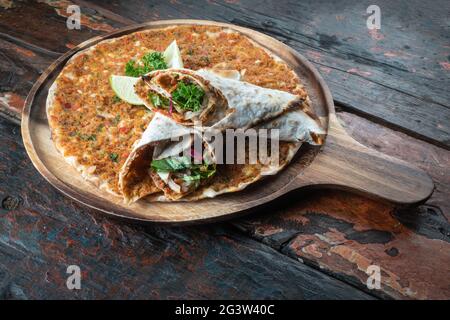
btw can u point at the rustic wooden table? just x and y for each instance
(391, 90)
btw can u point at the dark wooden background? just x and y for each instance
(391, 90)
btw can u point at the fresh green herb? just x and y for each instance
(87, 137)
(149, 62)
(116, 99)
(190, 52)
(158, 101)
(174, 164)
(171, 164)
(188, 96)
(114, 157)
(116, 120)
(133, 70)
(154, 61)
(200, 172)
(100, 127)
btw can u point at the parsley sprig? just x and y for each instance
(114, 157)
(149, 62)
(188, 96)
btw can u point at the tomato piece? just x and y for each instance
(124, 130)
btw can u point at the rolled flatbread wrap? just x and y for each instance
(292, 117)
(169, 158)
(212, 99)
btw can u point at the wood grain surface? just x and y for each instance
(391, 92)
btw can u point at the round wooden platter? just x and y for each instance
(340, 163)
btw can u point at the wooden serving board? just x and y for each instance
(341, 162)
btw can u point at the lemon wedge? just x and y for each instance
(123, 87)
(172, 56)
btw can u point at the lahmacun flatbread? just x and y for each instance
(96, 132)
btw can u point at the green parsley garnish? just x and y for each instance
(188, 96)
(114, 157)
(154, 60)
(151, 61)
(133, 70)
(116, 99)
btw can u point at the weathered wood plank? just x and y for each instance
(343, 234)
(43, 24)
(19, 67)
(398, 71)
(408, 56)
(42, 232)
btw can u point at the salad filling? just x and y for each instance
(176, 94)
(179, 92)
(182, 174)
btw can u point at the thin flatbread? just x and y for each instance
(135, 180)
(164, 138)
(96, 133)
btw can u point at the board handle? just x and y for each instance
(344, 163)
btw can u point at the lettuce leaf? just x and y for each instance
(172, 164)
(175, 164)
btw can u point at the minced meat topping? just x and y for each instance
(91, 124)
